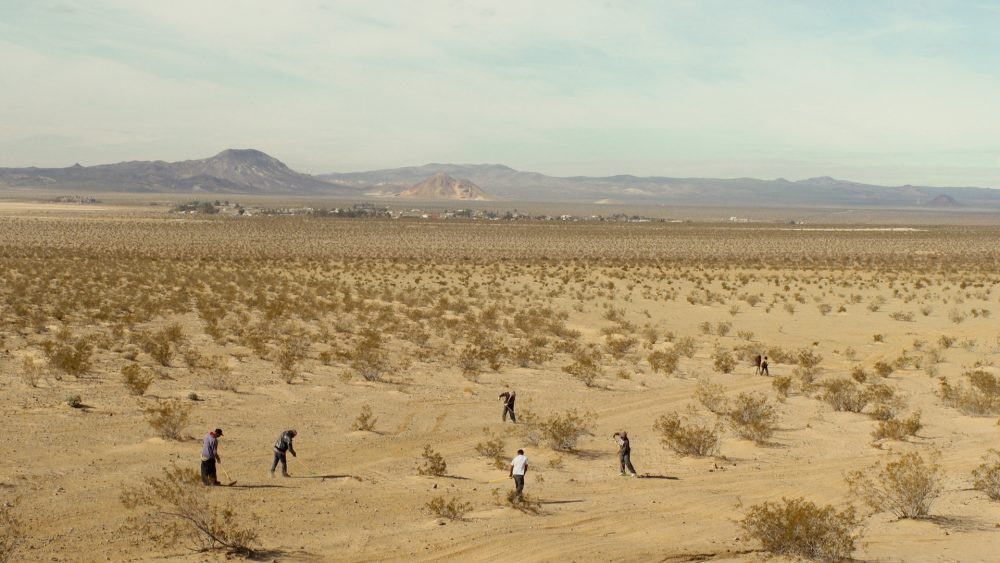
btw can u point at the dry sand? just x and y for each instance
(356, 496)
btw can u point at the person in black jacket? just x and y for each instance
(508, 405)
(624, 453)
(284, 444)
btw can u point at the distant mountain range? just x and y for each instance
(248, 171)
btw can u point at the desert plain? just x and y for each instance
(263, 324)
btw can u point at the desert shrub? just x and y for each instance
(845, 395)
(290, 352)
(859, 374)
(801, 529)
(906, 316)
(808, 363)
(176, 508)
(366, 420)
(723, 360)
(883, 369)
(137, 379)
(663, 360)
(524, 503)
(433, 463)
(981, 396)
(752, 417)
(956, 316)
(168, 418)
(782, 385)
(563, 431)
(534, 351)
(898, 429)
(68, 354)
(722, 328)
(494, 448)
(221, 380)
(745, 335)
(161, 344)
(878, 337)
(986, 477)
(712, 396)
(824, 309)
(74, 401)
(687, 436)
(686, 346)
(31, 371)
(369, 359)
(906, 486)
(452, 509)
(586, 366)
(946, 341)
(618, 346)
(11, 532)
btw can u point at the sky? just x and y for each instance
(886, 92)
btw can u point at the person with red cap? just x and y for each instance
(210, 456)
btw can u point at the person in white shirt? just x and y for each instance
(518, 467)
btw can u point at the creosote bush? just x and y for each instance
(586, 366)
(452, 509)
(494, 448)
(687, 436)
(980, 396)
(176, 508)
(898, 429)
(137, 379)
(723, 360)
(560, 431)
(986, 477)
(68, 354)
(905, 486)
(664, 361)
(168, 418)
(752, 417)
(366, 420)
(369, 359)
(433, 463)
(801, 529)
(509, 498)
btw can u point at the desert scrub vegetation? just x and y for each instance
(663, 361)
(801, 529)
(586, 366)
(432, 463)
(137, 379)
(168, 418)
(11, 532)
(560, 431)
(452, 509)
(898, 428)
(905, 486)
(175, 508)
(494, 448)
(70, 355)
(687, 435)
(723, 360)
(366, 419)
(752, 417)
(986, 477)
(979, 396)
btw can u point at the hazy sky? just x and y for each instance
(885, 92)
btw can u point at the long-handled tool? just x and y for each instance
(499, 480)
(228, 478)
(307, 467)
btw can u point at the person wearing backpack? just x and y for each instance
(283, 445)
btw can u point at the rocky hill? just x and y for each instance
(443, 186)
(230, 171)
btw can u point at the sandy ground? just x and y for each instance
(356, 496)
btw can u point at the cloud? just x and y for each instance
(568, 86)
